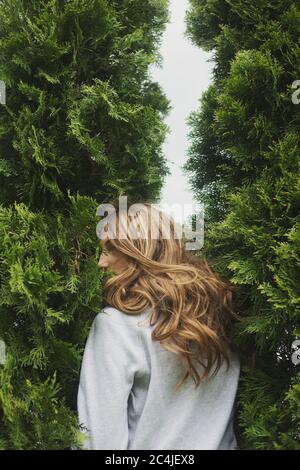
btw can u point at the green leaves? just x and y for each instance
(244, 165)
(82, 124)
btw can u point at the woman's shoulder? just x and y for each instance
(118, 316)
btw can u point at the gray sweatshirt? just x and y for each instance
(127, 398)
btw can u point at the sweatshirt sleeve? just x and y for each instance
(109, 363)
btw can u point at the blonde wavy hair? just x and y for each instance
(196, 303)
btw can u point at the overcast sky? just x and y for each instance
(184, 76)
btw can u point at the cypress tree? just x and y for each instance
(243, 162)
(81, 125)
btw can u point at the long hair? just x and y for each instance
(190, 304)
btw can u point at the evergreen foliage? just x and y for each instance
(82, 124)
(243, 162)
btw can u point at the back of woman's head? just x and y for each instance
(191, 305)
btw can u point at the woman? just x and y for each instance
(158, 370)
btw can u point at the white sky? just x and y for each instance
(184, 75)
